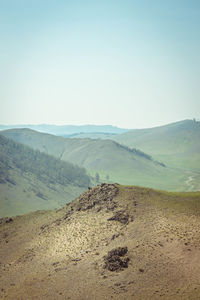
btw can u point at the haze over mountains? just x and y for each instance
(170, 161)
(68, 129)
(100, 212)
(119, 163)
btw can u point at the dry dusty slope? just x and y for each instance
(64, 254)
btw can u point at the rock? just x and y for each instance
(9, 220)
(141, 270)
(116, 259)
(98, 198)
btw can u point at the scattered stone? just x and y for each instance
(43, 227)
(117, 284)
(76, 259)
(9, 220)
(55, 263)
(141, 270)
(116, 259)
(116, 235)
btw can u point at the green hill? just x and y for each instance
(31, 180)
(113, 162)
(176, 144)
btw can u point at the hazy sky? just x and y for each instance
(127, 63)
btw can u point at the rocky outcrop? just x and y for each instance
(117, 259)
(98, 197)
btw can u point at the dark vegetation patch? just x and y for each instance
(41, 195)
(117, 259)
(10, 180)
(46, 168)
(134, 151)
(139, 153)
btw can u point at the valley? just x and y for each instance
(116, 162)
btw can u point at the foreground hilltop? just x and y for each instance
(112, 242)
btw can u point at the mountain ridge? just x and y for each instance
(68, 129)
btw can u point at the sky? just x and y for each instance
(132, 64)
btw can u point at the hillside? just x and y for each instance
(113, 242)
(31, 180)
(176, 144)
(108, 158)
(91, 135)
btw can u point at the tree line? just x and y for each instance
(48, 169)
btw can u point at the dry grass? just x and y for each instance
(60, 255)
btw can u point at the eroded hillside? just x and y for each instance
(113, 242)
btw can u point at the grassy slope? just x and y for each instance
(30, 194)
(177, 144)
(60, 254)
(105, 156)
(30, 180)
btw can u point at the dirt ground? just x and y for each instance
(62, 254)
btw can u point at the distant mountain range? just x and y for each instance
(68, 129)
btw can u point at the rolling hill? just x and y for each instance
(108, 158)
(31, 180)
(90, 135)
(113, 242)
(176, 144)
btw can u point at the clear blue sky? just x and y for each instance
(127, 63)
